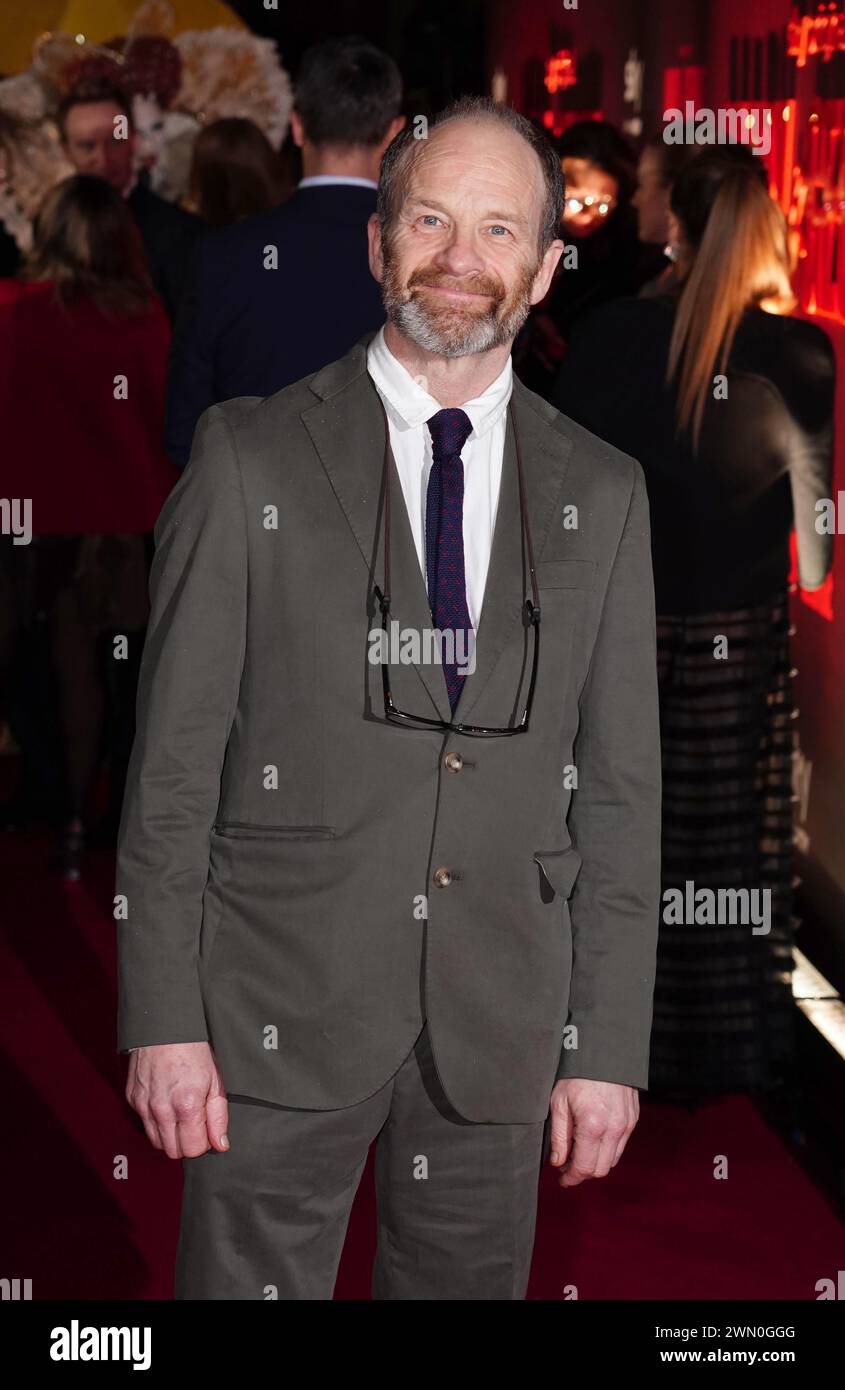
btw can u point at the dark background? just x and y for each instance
(438, 44)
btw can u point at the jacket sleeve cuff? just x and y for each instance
(151, 1027)
(624, 1067)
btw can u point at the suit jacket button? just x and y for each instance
(442, 877)
(454, 762)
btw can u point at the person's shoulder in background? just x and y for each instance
(633, 309)
(797, 356)
(613, 348)
(33, 314)
(623, 323)
(150, 207)
(224, 255)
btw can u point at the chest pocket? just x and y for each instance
(566, 574)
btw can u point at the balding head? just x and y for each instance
(464, 240)
(487, 116)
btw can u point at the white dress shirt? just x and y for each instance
(408, 407)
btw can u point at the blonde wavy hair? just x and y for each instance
(735, 256)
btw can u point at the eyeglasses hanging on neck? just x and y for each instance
(530, 615)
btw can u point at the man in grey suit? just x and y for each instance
(388, 866)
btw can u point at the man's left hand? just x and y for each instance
(593, 1119)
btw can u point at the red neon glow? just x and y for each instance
(560, 71)
(809, 35)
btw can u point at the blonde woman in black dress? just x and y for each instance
(727, 402)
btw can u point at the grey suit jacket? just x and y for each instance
(279, 839)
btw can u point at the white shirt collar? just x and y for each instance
(410, 405)
(322, 180)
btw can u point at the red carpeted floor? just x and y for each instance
(91, 1209)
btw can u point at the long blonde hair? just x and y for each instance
(87, 243)
(737, 239)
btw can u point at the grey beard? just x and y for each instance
(458, 340)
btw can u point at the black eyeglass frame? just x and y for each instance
(530, 611)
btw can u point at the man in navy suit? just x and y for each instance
(88, 120)
(281, 294)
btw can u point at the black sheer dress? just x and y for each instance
(720, 527)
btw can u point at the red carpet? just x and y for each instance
(661, 1226)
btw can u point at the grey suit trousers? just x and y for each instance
(456, 1199)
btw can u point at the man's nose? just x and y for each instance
(98, 161)
(461, 255)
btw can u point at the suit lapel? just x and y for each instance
(348, 431)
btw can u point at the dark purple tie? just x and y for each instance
(444, 539)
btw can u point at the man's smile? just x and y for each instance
(455, 294)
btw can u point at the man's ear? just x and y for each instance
(547, 268)
(296, 128)
(374, 240)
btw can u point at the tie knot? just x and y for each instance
(449, 431)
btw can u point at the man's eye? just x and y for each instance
(429, 218)
(497, 227)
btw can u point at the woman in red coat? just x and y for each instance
(83, 359)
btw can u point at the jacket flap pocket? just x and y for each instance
(253, 830)
(566, 574)
(560, 867)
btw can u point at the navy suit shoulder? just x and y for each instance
(272, 299)
(169, 234)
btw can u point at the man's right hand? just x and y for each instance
(177, 1090)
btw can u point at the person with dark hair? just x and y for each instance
(280, 293)
(658, 167)
(83, 352)
(96, 128)
(369, 900)
(599, 175)
(727, 401)
(235, 172)
(604, 259)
